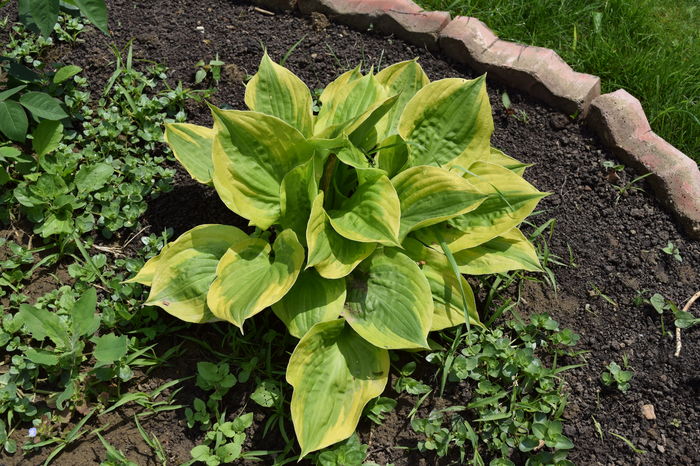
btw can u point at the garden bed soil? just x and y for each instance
(616, 244)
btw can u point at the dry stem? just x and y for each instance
(679, 345)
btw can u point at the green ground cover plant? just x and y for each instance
(366, 216)
(648, 47)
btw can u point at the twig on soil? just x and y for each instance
(115, 251)
(265, 12)
(133, 237)
(679, 345)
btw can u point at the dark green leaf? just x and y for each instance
(10, 92)
(43, 358)
(42, 323)
(96, 12)
(44, 14)
(83, 319)
(66, 72)
(13, 121)
(47, 136)
(91, 178)
(42, 105)
(110, 348)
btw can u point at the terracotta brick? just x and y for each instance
(535, 70)
(402, 18)
(619, 120)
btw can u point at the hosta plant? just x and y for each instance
(366, 215)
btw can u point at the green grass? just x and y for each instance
(651, 48)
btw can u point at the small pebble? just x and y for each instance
(648, 412)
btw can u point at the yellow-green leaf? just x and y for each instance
(348, 100)
(252, 154)
(509, 251)
(448, 121)
(430, 195)
(249, 278)
(446, 291)
(183, 271)
(276, 91)
(147, 272)
(392, 155)
(335, 373)
(297, 192)
(499, 158)
(389, 302)
(510, 200)
(332, 255)
(311, 300)
(404, 79)
(372, 213)
(191, 145)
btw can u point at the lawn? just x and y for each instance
(651, 48)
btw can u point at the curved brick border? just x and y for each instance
(617, 118)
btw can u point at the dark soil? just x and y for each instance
(615, 243)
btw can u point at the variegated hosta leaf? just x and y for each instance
(251, 158)
(348, 101)
(404, 79)
(191, 145)
(373, 212)
(332, 255)
(389, 302)
(510, 200)
(430, 195)
(149, 269)
(186, 267)
(334, 373)
(447, 294)
(392, 155)
(448, 121)
(311, 300)
(276, 91)
(248, 279)
(332, 90)
(362, 131)
(499, 158)
(509, 251)
(349, 154)
(297, 193)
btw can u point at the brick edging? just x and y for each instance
(617, 118)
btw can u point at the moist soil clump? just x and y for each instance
(612, 240)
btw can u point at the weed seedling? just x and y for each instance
(519, 114)
(213, 67)
(672, 250)
(615, 375)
